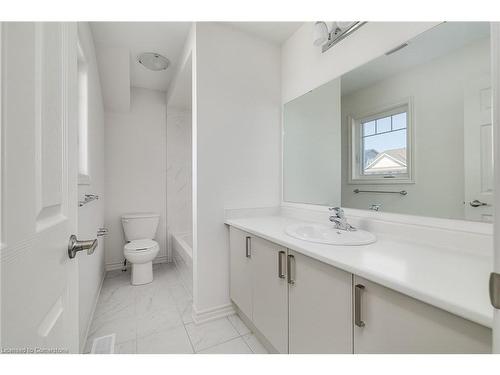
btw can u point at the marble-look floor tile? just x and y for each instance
(239, 325)
(234, 346)
(115, 308)
(167, 275)
(157, 321)
(179, 294)
(115, 301)
(128, 347)
(254, 344)
(116, 276)
(124, 328)
(153, 299)
(157, 318)
(211, 333)
(173, 341)
(187, 313)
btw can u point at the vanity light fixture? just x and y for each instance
(328, 37)
(154, 61)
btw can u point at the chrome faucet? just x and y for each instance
(339, 219)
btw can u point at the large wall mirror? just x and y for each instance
(409, 132)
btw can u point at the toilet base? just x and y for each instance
(142, 273)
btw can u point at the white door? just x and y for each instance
(319, 308)
(270, 292)
(478, 151)
(495, 71)
(39, 187)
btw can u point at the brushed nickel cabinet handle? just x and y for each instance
(281, 272)
(248, 244)
(291, 269)
(358, 290)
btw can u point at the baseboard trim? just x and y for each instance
(89, 323)
(212, 314)
(119, 265)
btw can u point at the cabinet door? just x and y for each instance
(270, 294)
(320, 307)
(395, 323)
(240, 271)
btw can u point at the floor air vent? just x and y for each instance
(104, 344)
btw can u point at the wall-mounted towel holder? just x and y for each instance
(402, 192)
(88, 198)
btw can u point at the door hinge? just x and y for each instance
(495, 289)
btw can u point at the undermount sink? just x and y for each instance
(327, 234)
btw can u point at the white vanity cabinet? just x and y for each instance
(302, 305)
(320, 307)
(241, 274)
(258, 285)
(270, 294)
(386, 321)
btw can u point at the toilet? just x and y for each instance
(141, 249)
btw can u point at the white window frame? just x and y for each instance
(355, 145)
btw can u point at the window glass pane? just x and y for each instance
(385, 153)
(399, 121)
(384, 125)
(369, 128)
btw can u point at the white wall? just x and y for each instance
(91, 216)
(135, 155)
(437, 92)
(114, 63)
(179, 173)
(304, 67)
(236, 146)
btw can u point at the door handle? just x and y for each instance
(248, 244)
(358, 290)
(477, 203)
(495, 290)
(291, 269)
(281, 273)
(75, 246)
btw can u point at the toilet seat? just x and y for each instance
(140, 253)
(140, 245)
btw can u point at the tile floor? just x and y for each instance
(156, 318)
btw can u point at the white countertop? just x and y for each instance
(454, 281)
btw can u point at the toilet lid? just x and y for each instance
(138, 245)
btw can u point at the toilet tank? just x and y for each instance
(138, 226)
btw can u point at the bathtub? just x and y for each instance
(182, 254)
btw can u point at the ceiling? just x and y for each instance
(432, 44)
(165, 38)
(274, 32)
(118, 45)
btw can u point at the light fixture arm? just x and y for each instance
(337, 34)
